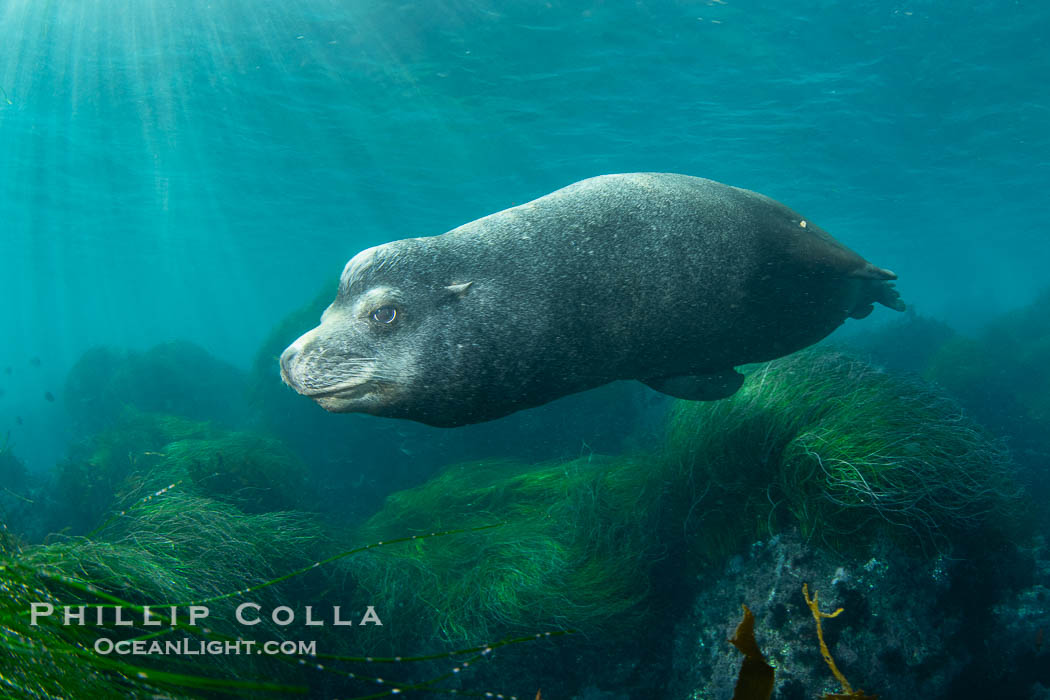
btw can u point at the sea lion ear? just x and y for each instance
(459, 289)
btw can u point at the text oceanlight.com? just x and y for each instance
(196, 647)
(192, 616)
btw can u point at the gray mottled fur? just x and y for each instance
(656, 277)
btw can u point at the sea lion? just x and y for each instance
(667, 279)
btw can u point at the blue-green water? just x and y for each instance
(198, 170)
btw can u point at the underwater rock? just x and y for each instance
(904, 344)
(897, 637)
(144, 451)
(1001, 376)
(13, 473)
(19, 509)
(1017, 658)
(176, 378)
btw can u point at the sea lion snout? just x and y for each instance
(314, 367)
(342, 364)
(295, 371)
(287, 358)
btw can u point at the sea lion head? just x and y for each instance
(378, 347)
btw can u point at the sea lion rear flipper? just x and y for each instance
(873, 272)
(886, 295)
(698, 387)
(880, 289)
(814, 246)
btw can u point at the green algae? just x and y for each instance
(818, 441)
(182, 547)
(147, 451)
(149, 553)
(577, 540)
(50, 659)
(255, 472)
(840, 449)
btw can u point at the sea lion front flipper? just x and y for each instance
(698, 387)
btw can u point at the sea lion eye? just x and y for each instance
(384, 314)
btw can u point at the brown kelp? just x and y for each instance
(825, 653)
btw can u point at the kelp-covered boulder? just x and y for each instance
(819, 441)
(88, 482)
(179, 549)
(840, 449)
(177, 546)
(17, 506)
(876, 489)
(176, 378)
(255, 472)
(51, 660)
(998, 373)
(904, 344)
(833, 463)
(1001, 375)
